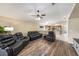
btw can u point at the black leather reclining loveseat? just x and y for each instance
(12, 44)
(34, 35)
(50, 37)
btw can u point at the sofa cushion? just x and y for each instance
(4, 37)
(17, 47)
(9, 42)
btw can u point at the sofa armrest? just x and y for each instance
(5, 52)
(26, 38)
(2, 46)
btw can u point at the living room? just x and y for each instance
(24, 23)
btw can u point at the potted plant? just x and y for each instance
(2, 29)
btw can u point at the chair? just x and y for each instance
(50, 37)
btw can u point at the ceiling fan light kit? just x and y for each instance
(38, 15)
(38, 18)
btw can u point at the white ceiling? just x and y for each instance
(22, 10)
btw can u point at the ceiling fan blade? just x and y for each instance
(33, 15)
(43, 15)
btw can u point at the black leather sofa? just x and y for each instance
(34, 35)
(50, 37)
(12, 44)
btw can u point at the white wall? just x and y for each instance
(73, 27)
(19, 25)
(63, 37)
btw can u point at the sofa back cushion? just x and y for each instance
(19, 35)
(4, 37)
(52, 34)
(7, 41)
(32, 33)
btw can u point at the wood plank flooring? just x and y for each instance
(41, 47)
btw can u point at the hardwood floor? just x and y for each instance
(41, 47)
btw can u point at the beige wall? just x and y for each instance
(19, 25)
(73, 28)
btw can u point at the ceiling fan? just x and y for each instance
(38, 15)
